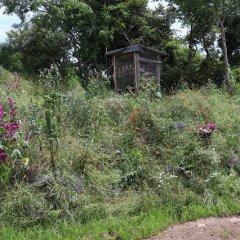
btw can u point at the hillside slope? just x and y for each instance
(126, 165)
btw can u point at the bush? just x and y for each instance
(22, 206)
(130, 153)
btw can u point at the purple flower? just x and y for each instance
(1, 111)
(232, 160)
(12, 107)
(3, 156)
(10, 128)
(180, 125)
(11, 101)
(211, 126)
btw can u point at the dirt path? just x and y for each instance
(203, 229)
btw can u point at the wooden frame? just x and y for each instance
(127, 69)
(114, 72)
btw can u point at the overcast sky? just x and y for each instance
(6, 22)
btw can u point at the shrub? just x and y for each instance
(13, 165)
(22, 206)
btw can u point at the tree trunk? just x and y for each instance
(189, 66)
(227, 77)
(190, 45)
(205, 45)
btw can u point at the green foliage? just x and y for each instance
(62, 32)
(205, 19)
(232, 39)
(97, 85)
(13, 163)
(10, 59)
(21, 207)
(122, 161)
(52, 104)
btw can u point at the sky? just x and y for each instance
(6, 22)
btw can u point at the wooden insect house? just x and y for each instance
(135, 64)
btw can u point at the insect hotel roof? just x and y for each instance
(134, 64)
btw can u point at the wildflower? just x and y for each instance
(206, 132)
(232, 160)
(133, 117)
(203, 131)
(11, 101)
(12, 107)
(1, 111)
(10, 128)
(3, 156)
(168, 146)
(209, 129)
(29, 136)
(180, 125)
(211, 126)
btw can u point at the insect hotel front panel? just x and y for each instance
(134, 65)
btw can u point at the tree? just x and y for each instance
(78, 32)
(232, 26)
(213, 14)
(10, 59)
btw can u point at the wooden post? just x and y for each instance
(137, 70)
(158, 73)
(114, 62)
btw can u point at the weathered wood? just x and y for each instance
(114, 62)
(137, 70)
(149, 60)
(129, 64)
(135, 48)
(158, 73)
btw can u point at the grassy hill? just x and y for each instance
(126, 166)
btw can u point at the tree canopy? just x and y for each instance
(75, 34)
(78, 33)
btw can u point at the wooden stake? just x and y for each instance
(114, 72)
(137, 70)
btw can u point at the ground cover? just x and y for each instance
(108, 166)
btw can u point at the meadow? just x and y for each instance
(94, 164)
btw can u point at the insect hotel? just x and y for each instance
(135, 64)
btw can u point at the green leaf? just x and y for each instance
(16, 153)
(2, 130)
(25, 144)
(4, 173)
(2, 147)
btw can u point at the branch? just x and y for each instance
(129, 41)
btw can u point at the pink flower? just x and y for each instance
(29, 136)
(211, 126)
(1, 111)
(3, 156)
(12, 107)
(10, 128)
(11, 101)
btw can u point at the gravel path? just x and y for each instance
(203, 229)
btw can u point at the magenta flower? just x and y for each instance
(10, 128)
(3, 156)
(11, 101)
(1, 111)
(211, 126)
(12, 107)
(208, 130)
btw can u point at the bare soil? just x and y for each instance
(203, 229)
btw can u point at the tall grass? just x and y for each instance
(127, 165)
